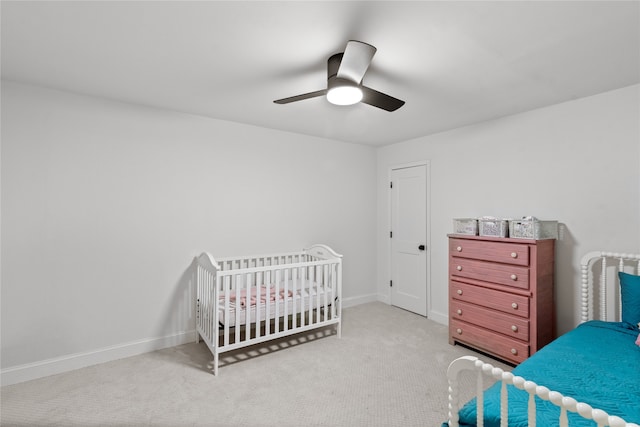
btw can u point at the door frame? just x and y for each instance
(390, 169)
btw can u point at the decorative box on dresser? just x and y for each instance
(501, 295)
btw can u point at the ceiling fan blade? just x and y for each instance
(356, 60)
(301, 97)
(380, 100)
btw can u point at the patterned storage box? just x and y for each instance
(467, 226)
(532, 228)
(493, 227)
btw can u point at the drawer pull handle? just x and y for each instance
(459, 311)
(514, 255)
(514, 328)
(459, 331)
(459, 268)
(514, 351)
(514, 277)
(459, 291)
(514, 305)
(459, 248)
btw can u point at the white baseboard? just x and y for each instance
(437, 317)
(362, 299)
(58, 365)
(384, 298)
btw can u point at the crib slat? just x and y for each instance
(247, 308)
(276, 290)
(320, 292)
(238, 289)
(267, 310)
(227, 295)
(328, 292)
(295, 298)
(286, 299)
(313, 295)
(317, 269)
(323, 300)
(303, 297)
(325, 276)
(259, 280)
(310, 280)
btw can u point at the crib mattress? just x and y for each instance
(596, 363)
(302, 300)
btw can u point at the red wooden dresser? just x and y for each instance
(501, 295)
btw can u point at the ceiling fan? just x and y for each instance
(344, 80)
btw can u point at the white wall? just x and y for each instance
(104, 205)
(576, 162)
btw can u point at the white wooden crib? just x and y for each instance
(242, 301)
(598, 282)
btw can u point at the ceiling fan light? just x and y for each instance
(344, 95)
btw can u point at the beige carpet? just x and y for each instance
(388, 369)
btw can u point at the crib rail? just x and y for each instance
(313, 253)
(257, 261)
(248, 300)
(486, 370)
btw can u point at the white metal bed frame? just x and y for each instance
(303, 290)
(607, 282)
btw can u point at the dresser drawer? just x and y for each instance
(506, 324)
(503, 301)
(509, 275)
(491, 342)
(508, 253)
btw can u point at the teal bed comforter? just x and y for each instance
(597, 363)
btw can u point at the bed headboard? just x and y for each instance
(599, 272)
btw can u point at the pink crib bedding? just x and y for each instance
(257, 293)
(269, 302)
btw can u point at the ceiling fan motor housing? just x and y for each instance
(333, 63)
(332, 73)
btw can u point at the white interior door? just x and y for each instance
(409, 238)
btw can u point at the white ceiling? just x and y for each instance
(454, 63)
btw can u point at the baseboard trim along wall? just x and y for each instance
(362, 299)
(384, 298)
(437, 317)
(58, 365)
(441, 318)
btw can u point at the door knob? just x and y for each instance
(421, 247)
